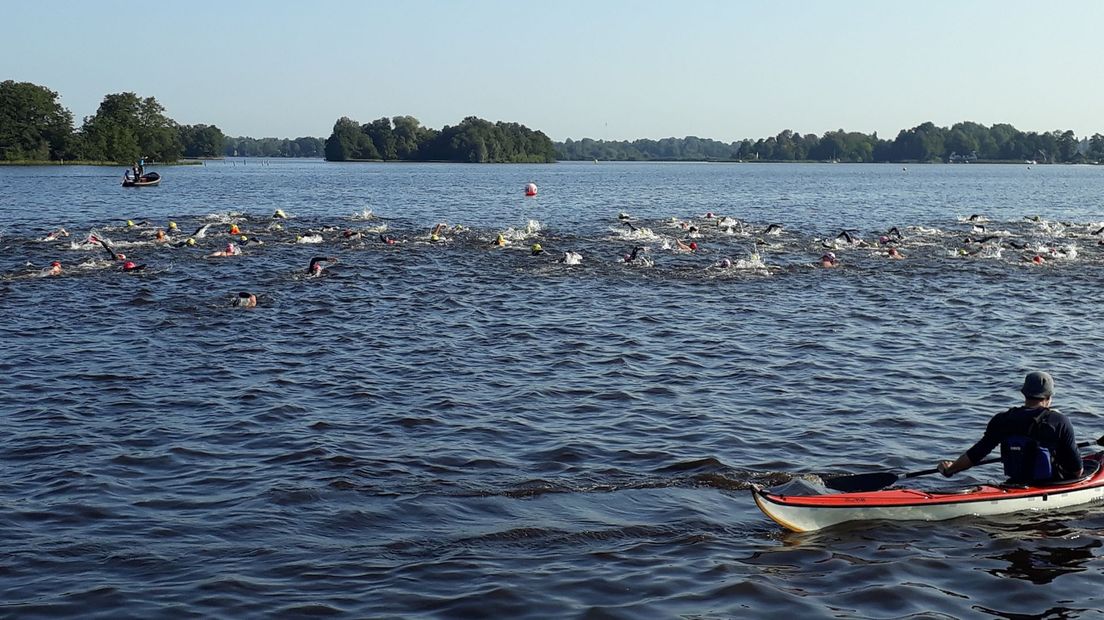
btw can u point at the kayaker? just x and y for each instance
(1037, 442)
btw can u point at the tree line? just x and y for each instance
(965, 141)
(403, 138)
(34, 126)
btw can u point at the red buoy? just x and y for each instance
(530, 189)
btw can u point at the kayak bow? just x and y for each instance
(804, 513)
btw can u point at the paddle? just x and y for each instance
(861, 483)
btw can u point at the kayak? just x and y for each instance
(805, 513)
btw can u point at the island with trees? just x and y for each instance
(403, 138)
(36, 128)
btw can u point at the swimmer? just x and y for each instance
(61, 232)
(247, 240)
(132, 266)
(851, 239)
(709, 215)
(160, 235)
(985, 239)
(623, 216)
(571, 258)
(635, 254)
(1018, 245)
(499, 241)
(352, 235)
(388, 239)
(893, 233)
(829, 260)
(439, 230)
(894, 253)
(172, 226)
(630, 225)
(189, 242)
(201, 232)
(1038, 260)
(773, 229)
(1097, 232)
(244, 300)
(315, 268)
(109, 249)
(234, 230)
(683, 247)
(230, 250)
(54, 270)
(976, 218)
(977, 229)
(724, 263)
(279, 214)
(536, 249)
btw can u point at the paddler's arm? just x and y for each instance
(950, 468)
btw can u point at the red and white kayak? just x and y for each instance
(805, 513)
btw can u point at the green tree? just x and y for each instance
(202, 140)
(33, 124)
(126, 127)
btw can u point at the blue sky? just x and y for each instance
(613, 70)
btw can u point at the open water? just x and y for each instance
(455, 429)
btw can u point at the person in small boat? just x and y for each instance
(1037, 442)
(128, 177)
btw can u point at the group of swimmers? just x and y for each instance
(687, 238)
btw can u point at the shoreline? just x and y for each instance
(92, 162)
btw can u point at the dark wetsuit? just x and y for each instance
(1053, 432)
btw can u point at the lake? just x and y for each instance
(453, 428)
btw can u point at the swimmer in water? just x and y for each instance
(315, 268)
(571, 258)
(230, 250)
(132, 266)
(160, 236)
(172, 226)
(893, 233)
(244, 300)
(388, 239)
(630, 225)
(635, 254)
(54, 270)
(724, 263)
(189, 242)
(894, 253)
(773, 229)
(201, 232)
(849, 238)
(985, 239)
(234, 230)
(61, 232)
(352, 235)
(829, 260)
(536, 249)
(976, 218)
(623, 216)
(279, 214)
(499, 241)
(438, 230)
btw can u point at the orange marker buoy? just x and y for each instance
(530, 189)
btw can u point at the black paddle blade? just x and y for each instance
(860, 483)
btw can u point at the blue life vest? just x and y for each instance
(1024, 459)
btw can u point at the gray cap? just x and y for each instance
(1038, 385)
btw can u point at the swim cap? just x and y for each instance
(129, 265)
(55, 264)
(883, 239)
(120, 256)
(693, 245)
(1038, 260)
(537, 247)
(244, 238)
(172, 224)
(709, 214)
(234, 229)
(434, 238)
(190, 241)
(130, 223)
